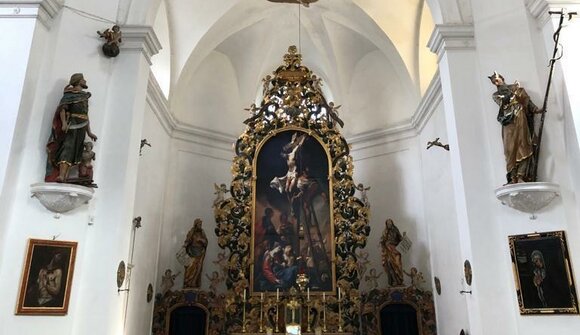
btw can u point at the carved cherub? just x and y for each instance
(363, 194)
(168, 281)
(220, 192)
(86, 165)
(316, 83)
(255, 112)
(266, 84)
(113, 39)
(333, 113)
(372, 278)
(222, 262)
(416, 277)
(363, 261)
(214, 280)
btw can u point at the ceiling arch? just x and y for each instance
(337, 41)
(340, 39)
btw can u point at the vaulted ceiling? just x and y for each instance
(371, 55)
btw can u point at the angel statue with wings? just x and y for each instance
(220, 192)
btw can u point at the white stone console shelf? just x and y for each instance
(60, 197)
(528, 197)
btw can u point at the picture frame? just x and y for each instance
(543, 273)
(47, 276)
(292, 212)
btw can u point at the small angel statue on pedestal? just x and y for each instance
(363, 194)
(220, 192)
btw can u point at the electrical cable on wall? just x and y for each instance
(89, 15)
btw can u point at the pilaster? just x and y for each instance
(141, 38)
(451, 37)
(116, 174)
(455, 47)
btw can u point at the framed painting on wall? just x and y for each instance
(47, 277)
(292, 230)
(543, 273)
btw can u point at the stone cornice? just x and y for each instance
(43, 10)
(223, 142)
(141, 38)
(159, 105)
(447, 37)
(539, 8)
(406, 130)
(177, 130)
(428, 104)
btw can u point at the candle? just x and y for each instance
(308, 293)
(323, 296)
(245, 295)
(339, 293)
(262, 296)
(277, 294)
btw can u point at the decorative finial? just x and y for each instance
(293, 58)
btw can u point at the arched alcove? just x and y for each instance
(188, 319)
(400, 319)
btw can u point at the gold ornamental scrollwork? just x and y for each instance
(292, 100)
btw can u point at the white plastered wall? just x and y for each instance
(393, 171)
(508, 41)
(193, 170)
(441, 219)
(101, 228)
(150, 206)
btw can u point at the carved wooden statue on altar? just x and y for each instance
(193, 255)
(392, 259)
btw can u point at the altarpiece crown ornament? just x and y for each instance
(292, 211)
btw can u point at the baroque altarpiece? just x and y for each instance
(292, 227)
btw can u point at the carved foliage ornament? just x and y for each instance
(292, 101)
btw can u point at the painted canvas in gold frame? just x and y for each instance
(47, 277)
(543, 273)
(292, 217)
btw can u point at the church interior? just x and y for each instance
(356, 167)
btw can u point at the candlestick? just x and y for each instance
(308, 329)
(262, 312)
(277, 309)
(339, 311)
(324, 312)
(244, 313)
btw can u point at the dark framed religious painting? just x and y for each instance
(47, 277)
(292, 230)
(543, 273)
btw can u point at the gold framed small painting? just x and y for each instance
(543, 273)
(47, 277)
